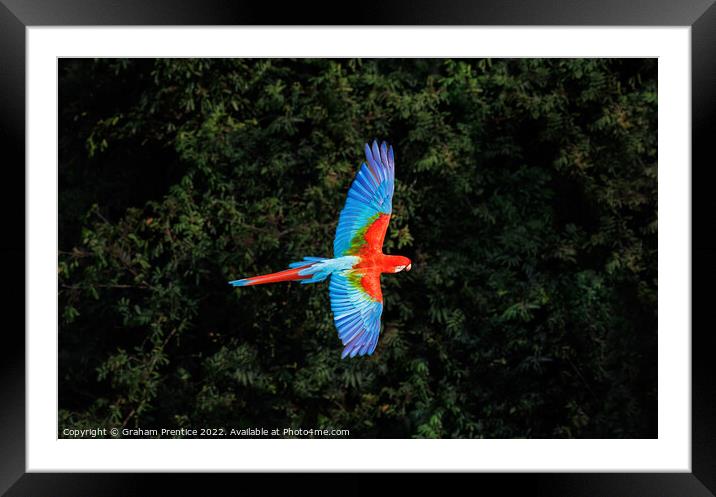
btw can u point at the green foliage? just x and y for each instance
(525, 195)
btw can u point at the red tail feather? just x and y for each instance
(287, 275)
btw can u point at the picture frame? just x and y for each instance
(17, 15)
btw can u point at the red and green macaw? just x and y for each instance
(358, 258)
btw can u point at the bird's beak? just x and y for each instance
(407, 268)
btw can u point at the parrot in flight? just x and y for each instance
(358, 258)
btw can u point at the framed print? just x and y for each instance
(417, 241)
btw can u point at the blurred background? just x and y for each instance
(526, 196)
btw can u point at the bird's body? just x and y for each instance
(358, 262)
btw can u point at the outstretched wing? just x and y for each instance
(365, 217)
(357, 303)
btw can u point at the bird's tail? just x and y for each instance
(307, 271)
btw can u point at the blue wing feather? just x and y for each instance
(356, 315)
(371, 194)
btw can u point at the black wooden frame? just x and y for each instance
(17, 15)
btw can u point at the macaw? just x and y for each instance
(358, 258)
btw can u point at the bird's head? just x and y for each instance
(402, 263)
